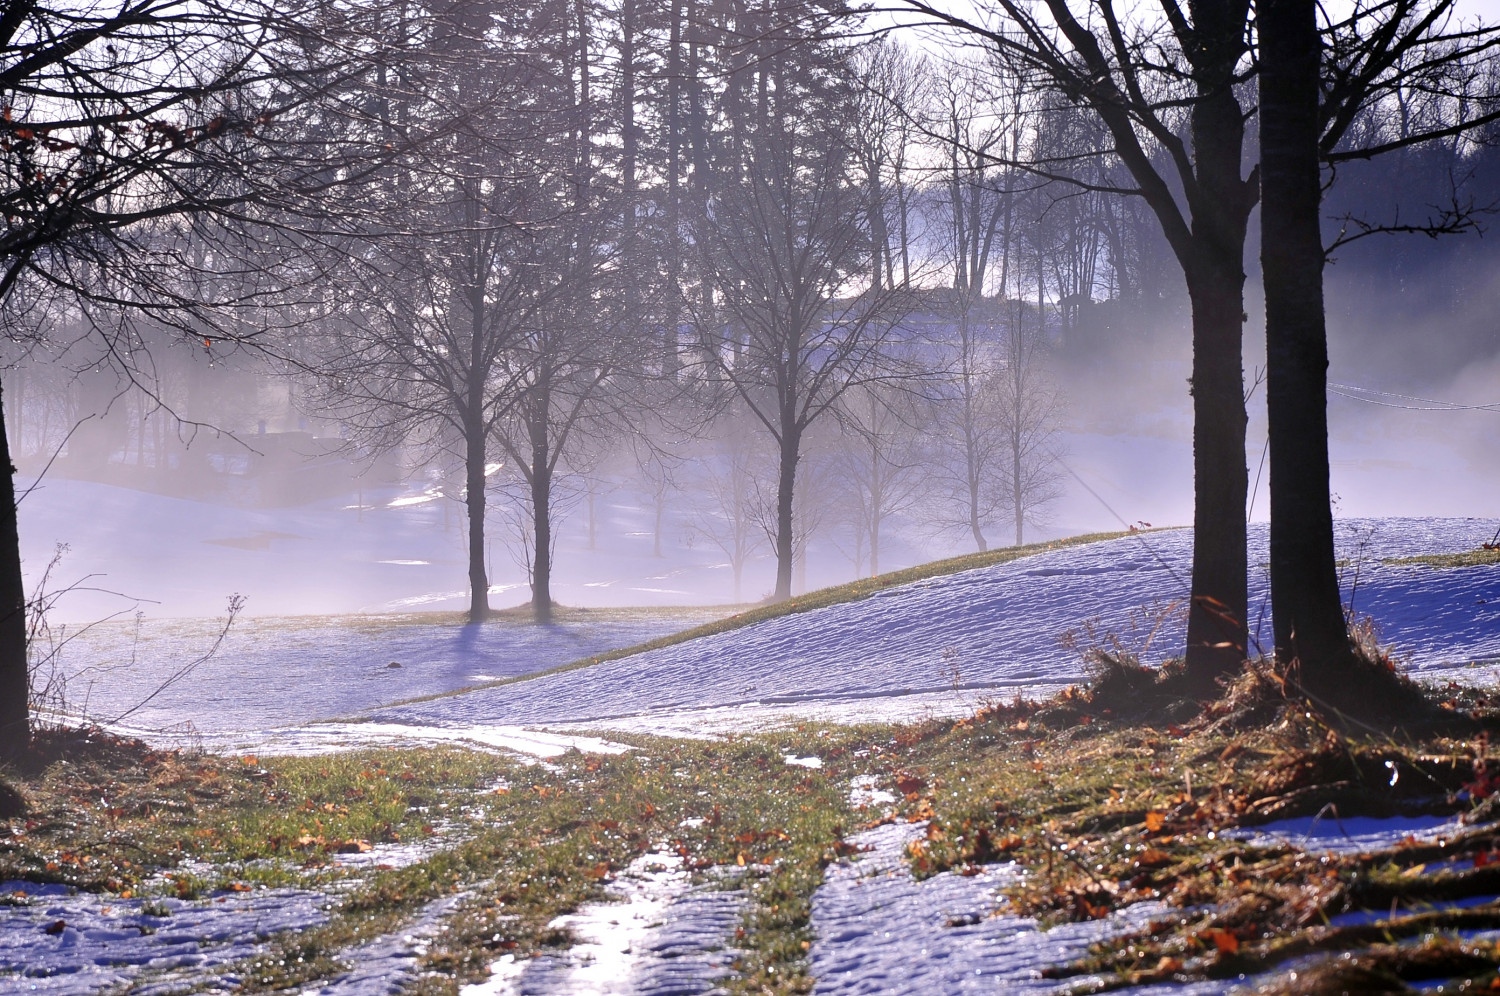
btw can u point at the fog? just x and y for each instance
(559, 362)
(167, 521)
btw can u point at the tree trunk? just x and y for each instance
(541, 517)
(786, 483)
(593, 520)
(1306, 612)
(15, 712)
(1217, 611)
(474, 457)
(659, 510)
(1214, 266)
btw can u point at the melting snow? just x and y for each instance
(664, 936)
(1351, 835)
(879, 930)
(62, 942)
(937, 647)
(383, 966)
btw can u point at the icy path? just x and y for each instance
(664, 937)
(991, 631)
(384, 966)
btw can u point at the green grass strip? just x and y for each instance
(1469, 558)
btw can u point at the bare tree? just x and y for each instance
(1028, 408)
(882, 461)
(443, 327)
(1316, 87)
(724, 478)
(1169, 86)
(135, 136)
(792, 329)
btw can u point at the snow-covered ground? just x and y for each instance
(392, 549)
(337, 665)
(950, 642)
(934, 647)
(937, 647)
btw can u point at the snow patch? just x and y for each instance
(61, 942)
(881, 931)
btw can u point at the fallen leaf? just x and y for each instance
(1222, 939)
(1155, 820)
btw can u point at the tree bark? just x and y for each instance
(1218, 610)
(474, 457)
(785, 488)
(541, 516)
(1307, 615)
(15, 711)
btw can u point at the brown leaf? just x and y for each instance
(1222, 939)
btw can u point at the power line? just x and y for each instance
(1425, 405)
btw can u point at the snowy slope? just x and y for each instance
(998, 628)
(333, 666)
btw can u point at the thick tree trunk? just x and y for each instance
(1306, 612)
(15, 713)
(785, 488)
(541, 519)
(1217, 611)
(479, 583)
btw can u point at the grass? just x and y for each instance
(522, 842)
(1468, 558)
(851, 591)
(1102, 814)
